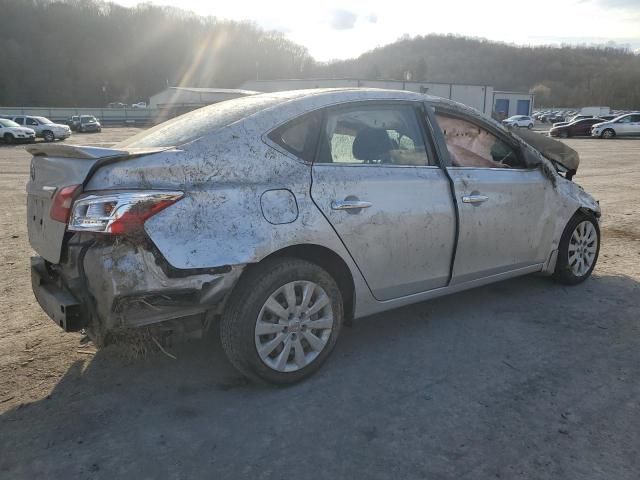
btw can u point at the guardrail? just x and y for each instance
(107, 116)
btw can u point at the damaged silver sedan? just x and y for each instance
(285, 214)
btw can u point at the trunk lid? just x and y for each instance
(54, 166)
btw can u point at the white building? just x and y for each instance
(480, 97)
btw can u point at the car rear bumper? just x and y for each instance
(129, 286)
(60, 305)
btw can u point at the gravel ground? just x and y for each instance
(521, 379)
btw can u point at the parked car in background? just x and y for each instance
(139, 105)
(624, 126)
(89, 123)
(250, 211)
(11, 132)
(519, 121)
(73, 122)
(608, 118)
(117, 105)
(552, 118)
(43, 127)
(579, 128)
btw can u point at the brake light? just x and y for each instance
(62, 201)
(119, 213)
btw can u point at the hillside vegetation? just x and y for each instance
(89, 53)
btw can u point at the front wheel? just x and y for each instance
(530, 126)
(578, 250)
(608, 133)
(48, 136)
(8, 138)
(282, 320)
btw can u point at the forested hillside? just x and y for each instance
(570, 76)
(89, 53)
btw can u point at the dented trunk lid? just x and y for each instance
(53, 167)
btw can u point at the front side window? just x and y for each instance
(373, 134)
(470, 145)
(31, 121)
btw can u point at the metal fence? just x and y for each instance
(107, 116)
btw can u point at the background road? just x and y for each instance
(521, 379)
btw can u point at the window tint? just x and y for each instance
(373, 134)
(470, 145)
(19, 120)
(299, 136)
(31, 121)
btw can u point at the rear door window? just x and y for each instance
(385, 134)
(19, 120)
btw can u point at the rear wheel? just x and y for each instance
(48, 136)
(282, 321)
(578, 250)
(8, 138)
(608, 133)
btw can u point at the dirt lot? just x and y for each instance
(522, 379)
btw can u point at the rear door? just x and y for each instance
(376, 181)
(503, 206)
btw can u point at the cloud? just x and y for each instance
(342, 19)
(624, 4)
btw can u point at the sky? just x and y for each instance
(332, 29)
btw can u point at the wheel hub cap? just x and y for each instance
(583, 247)
(293, 326)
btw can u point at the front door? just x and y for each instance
(380, 189)
(502, 204)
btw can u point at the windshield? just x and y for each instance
(8, 123)
(43, 120)
(193, 125)
(87, 119)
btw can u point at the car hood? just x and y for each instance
(551, 149)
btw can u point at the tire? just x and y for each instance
(582, 237)
(530, 126)
(608, 133)
(247, 310)
(48, 136)
(81, 129)
(8, 138)
(564, 134)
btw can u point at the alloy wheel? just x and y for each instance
(293, 326)
(582, 248)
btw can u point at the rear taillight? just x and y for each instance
(119, 213)
(62, 201)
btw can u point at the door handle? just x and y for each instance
(349, 204)
(474, 199)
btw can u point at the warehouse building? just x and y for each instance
(189, 98)
(481, 97)
(177, 100)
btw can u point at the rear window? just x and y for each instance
(193, 125)
(299, 136)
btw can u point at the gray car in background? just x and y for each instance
(282, 215)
